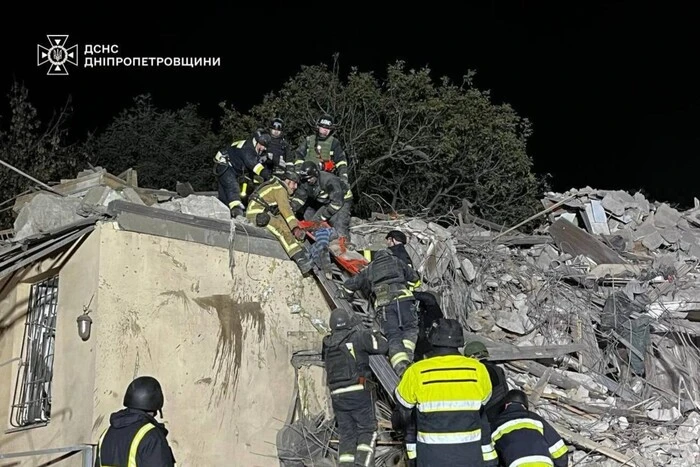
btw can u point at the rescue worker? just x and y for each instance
(448, 391)
(524, 438)
(346, 353)
(324, 149)
(429, 310)
(387, 279)
(322, 196)
(269, 207)
(234, 164)
(476, 349)
(134, 433)
(277, 157)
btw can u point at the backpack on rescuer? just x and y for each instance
(341, 366)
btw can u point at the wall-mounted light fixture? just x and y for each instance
(85, 322)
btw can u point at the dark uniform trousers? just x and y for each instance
(340, 221)
(229, 187)
(399, 322)
(357, 427)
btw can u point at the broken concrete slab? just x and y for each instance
(196, 205)
(96, 200)
(45, 212)
(575, 241)
(644, 230)
(653, 241)
(130, 195)
(513, 322)
(613, 204)
(666, 216)
(642, 203)
(468, 269)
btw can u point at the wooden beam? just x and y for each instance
(531, 352)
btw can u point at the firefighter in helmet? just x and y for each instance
(134, 433)
(277, 156)
(324, 149)
(345, 354)
(240, 162)
(321, 196)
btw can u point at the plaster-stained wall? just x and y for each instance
(220, 345)
(74, 360)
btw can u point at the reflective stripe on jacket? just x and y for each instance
(523, 438)
(448, 392)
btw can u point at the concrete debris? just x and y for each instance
(91, 193)
(596, 314)
(619, 277)
(45, 212)
(197, 205)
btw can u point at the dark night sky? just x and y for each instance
(611, 88)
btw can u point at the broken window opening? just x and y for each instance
(31, 403)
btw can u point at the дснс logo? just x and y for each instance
(57, 55)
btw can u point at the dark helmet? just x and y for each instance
(516, 395)
(340, 319)
(309, 169)
(325, 121)
(446, 333)
(262, 138)
(144, 393)
(288, 175)
(398, 236)
(475, 349)
(277, 124)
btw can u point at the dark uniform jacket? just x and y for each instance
(399, 250)
(387, 277)
(498, 395)
(244, 159)
(430, 311)
(277, 156)
(329, 191)
(134, 433)
(524, 436)
(358, 344)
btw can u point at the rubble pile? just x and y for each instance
(596, 316)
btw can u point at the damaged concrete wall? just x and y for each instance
(74, 360)
(220, 345)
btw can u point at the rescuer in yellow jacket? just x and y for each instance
(269, 207)
(448, 391)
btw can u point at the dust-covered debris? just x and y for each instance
(621, 281)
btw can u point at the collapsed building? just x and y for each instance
(595, 315)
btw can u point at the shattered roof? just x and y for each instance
(48, 221)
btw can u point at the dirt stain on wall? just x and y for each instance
(177, 295)
(235, 320)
